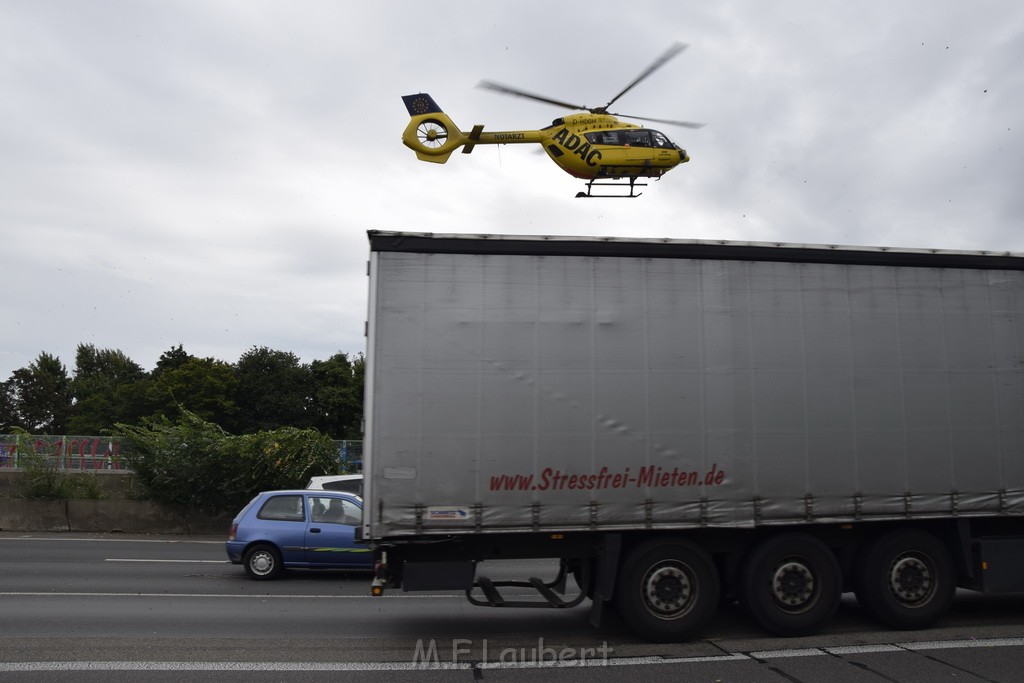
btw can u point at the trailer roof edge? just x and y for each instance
(559, 245)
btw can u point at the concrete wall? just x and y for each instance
(114, 513)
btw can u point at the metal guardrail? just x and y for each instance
(104, 452)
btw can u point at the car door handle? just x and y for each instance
(314, 530)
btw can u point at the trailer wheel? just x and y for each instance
(906, 579)
(791, 584)
(667, 590)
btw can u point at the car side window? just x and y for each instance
(345, 485)
(334, 511)
(283, 508)
(353, 515)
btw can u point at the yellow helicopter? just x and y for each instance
(595, 146)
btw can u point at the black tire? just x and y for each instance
(667, 590)
(262, 562)
(906, 579)
(791, 584)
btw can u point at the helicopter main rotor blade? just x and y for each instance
(658, 63)
(684, 124)
(509, 90)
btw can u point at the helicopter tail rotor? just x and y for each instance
(430, 133)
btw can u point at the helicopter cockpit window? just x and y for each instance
(637, 138)
(660, 140)
(607, 137)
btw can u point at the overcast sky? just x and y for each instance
(203, 173)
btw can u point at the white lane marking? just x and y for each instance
(335, 596)
(626, 661)
(951, 644)
(110, 540)
(774, 654)
(23, 667)
(861, 649)
(129, 559)
(888, 647)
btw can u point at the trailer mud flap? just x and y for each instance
(605, 574)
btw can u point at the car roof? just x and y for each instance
(312, 492)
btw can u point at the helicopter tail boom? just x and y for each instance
(434, 136)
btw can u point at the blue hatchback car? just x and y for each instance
(303, 529)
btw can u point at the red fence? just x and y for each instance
(66, 452)
(103, 452)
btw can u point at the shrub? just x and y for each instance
(44, 479)
(194, 464)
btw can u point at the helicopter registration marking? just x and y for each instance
(572, 143)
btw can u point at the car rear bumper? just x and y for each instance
(234, 550)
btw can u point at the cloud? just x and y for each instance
(205, 173)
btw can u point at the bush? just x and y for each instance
(43, 478)
(195, 465)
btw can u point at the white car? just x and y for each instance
(349, 483)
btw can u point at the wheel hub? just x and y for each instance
(910, 579)
(792, 584)
(668, 590)
(262, 563)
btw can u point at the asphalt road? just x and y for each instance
(131, 608)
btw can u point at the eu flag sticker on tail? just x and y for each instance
(420, 104)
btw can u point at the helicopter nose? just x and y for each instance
(683, 156)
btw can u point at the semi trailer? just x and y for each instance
(682, 422)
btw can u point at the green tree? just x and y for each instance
(103, 389)
(172, 359)
(337, 395)
(7, 418)
(203, 386)
(177, 461)
(39, 396)
(272, 391)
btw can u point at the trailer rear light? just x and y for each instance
(380, 566)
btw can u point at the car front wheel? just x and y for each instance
(262, 562)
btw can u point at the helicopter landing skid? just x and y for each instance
(632, 185)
